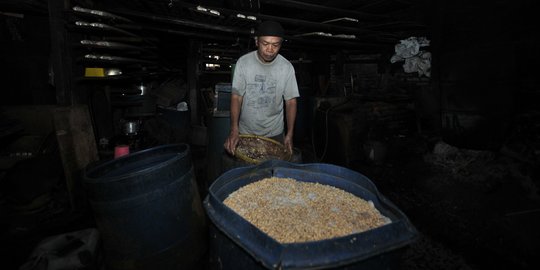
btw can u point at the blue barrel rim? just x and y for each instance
(272, 254)
(88, 179)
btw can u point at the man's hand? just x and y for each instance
(231, 142)
(234, 134)
(290, 108)
(288, 141)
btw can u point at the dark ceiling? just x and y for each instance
(362, 25)
(308, 23)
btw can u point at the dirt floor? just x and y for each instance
(473, 209)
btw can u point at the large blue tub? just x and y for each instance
(237, 244)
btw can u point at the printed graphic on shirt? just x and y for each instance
(261, 93)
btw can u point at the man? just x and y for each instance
(263, 80)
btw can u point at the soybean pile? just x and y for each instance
(292, 211)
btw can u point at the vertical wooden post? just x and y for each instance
(77, 147)
(60, 56)
(192, 79)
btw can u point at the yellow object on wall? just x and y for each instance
(94, 72)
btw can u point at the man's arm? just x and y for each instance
(232, 140)
(290, 110)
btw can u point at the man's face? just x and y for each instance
(268, 47)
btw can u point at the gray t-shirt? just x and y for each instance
(264, 87)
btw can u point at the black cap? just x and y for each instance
(270, 28)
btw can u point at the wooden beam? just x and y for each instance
(325, 9)
(60, 52)
(192, 67)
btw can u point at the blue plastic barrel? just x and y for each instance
(148, 210)
(237, 244)
(219, 131)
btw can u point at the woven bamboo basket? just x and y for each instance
(255, 149)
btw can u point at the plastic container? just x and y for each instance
(237, 244)
(223, 94)
(121, 150)
(148, 209)
(217, 133)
